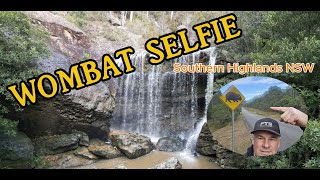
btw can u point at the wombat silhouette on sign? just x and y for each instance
(231, 96)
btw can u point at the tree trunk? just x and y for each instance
(123, 18)
(131, 15)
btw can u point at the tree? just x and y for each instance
(20, 45)
(292, 37)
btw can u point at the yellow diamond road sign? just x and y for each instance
(232, 97)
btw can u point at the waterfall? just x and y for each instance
(191, 143)
(157, 102)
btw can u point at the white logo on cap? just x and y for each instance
(266, 124)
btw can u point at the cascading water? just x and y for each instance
(157, 102)
(191, 143)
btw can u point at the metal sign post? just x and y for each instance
(232, 130)
(232, 98)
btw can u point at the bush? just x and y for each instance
(288, 37)
(304, 154)
(311, 136)
(312, 163)
(21, 43)
(8, 127)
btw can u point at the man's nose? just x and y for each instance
(266, 144)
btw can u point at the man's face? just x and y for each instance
(265, 143)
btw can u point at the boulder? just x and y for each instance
(60, 161)
(104, 150)
(83, 138)
(132, 145)
(16, 151)
(85, 153)
(172, 163)
(120, 166)
(170, 144)
(58, 143)
(114, 21)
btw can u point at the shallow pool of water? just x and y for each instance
(187, 160)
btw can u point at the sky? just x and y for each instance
(254, 86)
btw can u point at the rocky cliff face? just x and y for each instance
(209, 146)
(88, 109)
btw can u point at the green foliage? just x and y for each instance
(285, 51)
(3, 165)
(79, 18)
(292, 25)
(86, 56)
(218, 114)
(276, 97)
(311, 98)
(219, 83)
(38, 162)
(202, 16)
(114, 34)
(304, 154)
(268, 162)
(248, 23)
(143, 25)
(20, 44)
(312, 136)
(8, 127)
(280, 37)
(312, 163)
(286, 37)
(289, 37)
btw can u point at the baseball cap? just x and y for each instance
(267, 124)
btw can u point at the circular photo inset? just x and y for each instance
(257, 116)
